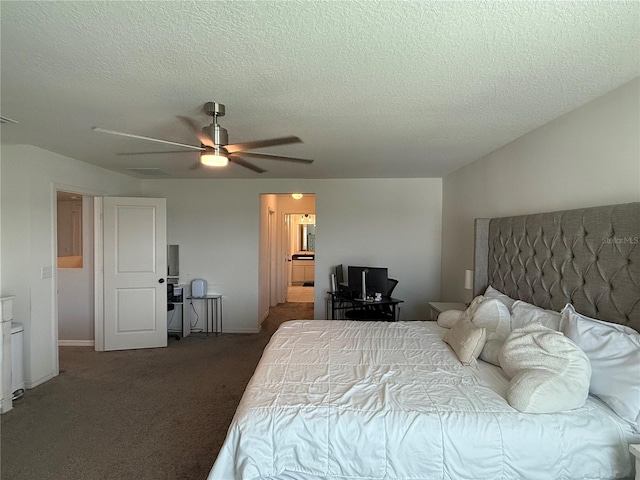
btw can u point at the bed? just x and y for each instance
(365, 400)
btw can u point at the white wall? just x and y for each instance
(268, 203)
(385, 222)
(588, 157)
(29, 178)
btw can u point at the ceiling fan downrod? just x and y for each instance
(217, 133)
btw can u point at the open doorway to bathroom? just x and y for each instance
(301, 252)
(285, 275)
(75, 272)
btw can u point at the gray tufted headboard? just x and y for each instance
(589, 257)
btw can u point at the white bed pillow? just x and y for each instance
(523, 313)
(548, 372)
(491, 351)
(494, 315)
(614, 353)
(466, 340)
(491, 292)
(449, 318)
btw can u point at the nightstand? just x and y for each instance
(635, 450)
(438, 307)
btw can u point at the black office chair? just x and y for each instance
(373, 311)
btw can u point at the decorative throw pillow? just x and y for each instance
(493, 293)
(449, 318)
(548, 372)
(466, 340)
(614, 353)
(473, 306)
(523, 313)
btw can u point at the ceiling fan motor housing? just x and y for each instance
(217, 134)
(214, 131)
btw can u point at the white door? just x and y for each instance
(135, 268)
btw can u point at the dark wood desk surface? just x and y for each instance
(340, 301)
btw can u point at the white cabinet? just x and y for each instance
(302, 271)
(6, 315)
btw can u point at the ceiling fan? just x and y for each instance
(215, 152)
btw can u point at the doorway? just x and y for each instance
(75, 268)
(301, 251)
(280, 216)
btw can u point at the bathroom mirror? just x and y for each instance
(307, 237)
(69, 230)
(173, 260)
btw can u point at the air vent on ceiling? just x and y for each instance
(7, 120)
(150, 172)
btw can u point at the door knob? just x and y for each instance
(161, 280)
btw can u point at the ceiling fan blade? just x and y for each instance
(202, 136)
(142, 137)
(245, 164)
(239, 147)
(275, 157)
(155, 153)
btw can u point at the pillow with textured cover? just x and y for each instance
(614, 353)
(466, 340)
(548, 372)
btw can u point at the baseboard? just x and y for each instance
(242, 330)
(32, 384)
(76, 343)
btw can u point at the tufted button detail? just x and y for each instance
(535, 254)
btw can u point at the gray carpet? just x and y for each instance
(140, 414)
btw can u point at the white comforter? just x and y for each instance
(335, 399)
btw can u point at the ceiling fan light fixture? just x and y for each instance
(214, 158)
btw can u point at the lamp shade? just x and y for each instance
(468, 279)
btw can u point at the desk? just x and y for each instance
(176, 300)
(337, 302)
(213, 311)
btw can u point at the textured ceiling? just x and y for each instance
(374, 89)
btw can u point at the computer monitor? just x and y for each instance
(375, 280)
(339, 275)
